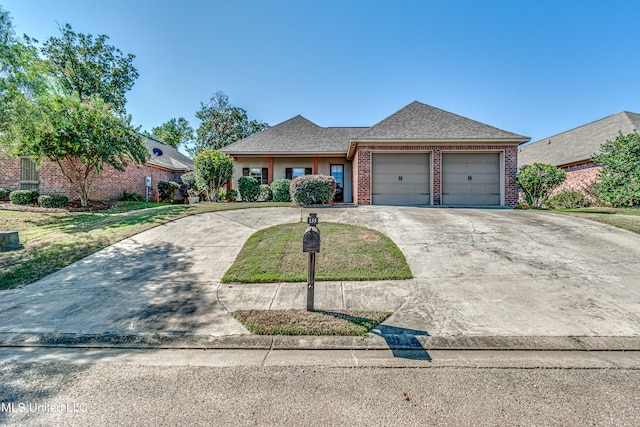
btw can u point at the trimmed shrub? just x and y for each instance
(280, 190)
(167, 190)
(249, 188)
(4, 194)
(131, 197)
(53, 201)
(313, 189)
(568, 199)
(232, 195)
(265, 193)
(189, 180)
(24, 197)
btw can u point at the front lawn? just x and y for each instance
(625, 218)
(54, 240)
(347, 252)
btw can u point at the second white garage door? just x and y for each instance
(471, 179)
(400, 179)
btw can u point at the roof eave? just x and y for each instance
(498, 141)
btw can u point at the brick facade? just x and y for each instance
(579, 178)
(362, 170)
(109, 185)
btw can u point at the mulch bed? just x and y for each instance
(74, 206)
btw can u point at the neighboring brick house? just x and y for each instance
(572, 150)
(419, 155)
(164, 163)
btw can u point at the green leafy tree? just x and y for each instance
(80, 135)
(213, 169)
(22, 73)
(223, 124)
(90, 66)
(537, 181)
(174, 132)
(619, 176)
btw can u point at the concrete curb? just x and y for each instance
(372, 342)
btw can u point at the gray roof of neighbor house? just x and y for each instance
(418, 121)
(165, 156)
(295, 136)
(579, 144)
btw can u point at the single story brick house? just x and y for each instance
(572, 150)
(419, 155)
(164, 163)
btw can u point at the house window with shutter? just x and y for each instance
(261, 174)
(29, 174)
(291, 173)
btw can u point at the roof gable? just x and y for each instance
(418, 121)
(579, 144)
(296, 135)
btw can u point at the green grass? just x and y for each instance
(625, 218)
(317, 322)
(347, 252)
(54, 240)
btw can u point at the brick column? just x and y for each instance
(363, 163)
(270, 173)
(315, 165)
(437, 176)
(510, 169)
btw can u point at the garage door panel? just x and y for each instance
(401, 178)
(471, 179)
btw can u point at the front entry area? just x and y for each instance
(400, 179)
(471, 179)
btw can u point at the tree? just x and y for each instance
(223, 124)
(213, 169)
(80, 135)
(21, 71)
(174, 132)
(537, 181)
(619, 176)
(90, 66)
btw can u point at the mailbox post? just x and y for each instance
(311, 245)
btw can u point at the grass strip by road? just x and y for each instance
(317, 322)
(53, 240)
(347, 252)
(625, 218)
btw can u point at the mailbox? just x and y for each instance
(311, 240)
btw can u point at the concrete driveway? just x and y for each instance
(503, 276)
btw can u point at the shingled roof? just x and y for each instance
(418, 121)
(167, 157)
(580, 144)
(296, 136)
(415, 122)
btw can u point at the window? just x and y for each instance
(29, 174)
(261, 174)
(291, 173)
(337, 172)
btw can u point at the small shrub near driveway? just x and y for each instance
(537, 181)
(280, 190)
(249, 188)
(266, 195)
(568, 199)
(24, 197)
(167, 190)
(313, 189)
(4, 194)
(53, 201)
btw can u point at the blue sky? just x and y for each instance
(536, 68)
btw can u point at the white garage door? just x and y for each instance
(400, 179)
(471, 179)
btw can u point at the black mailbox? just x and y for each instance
(311, 240)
